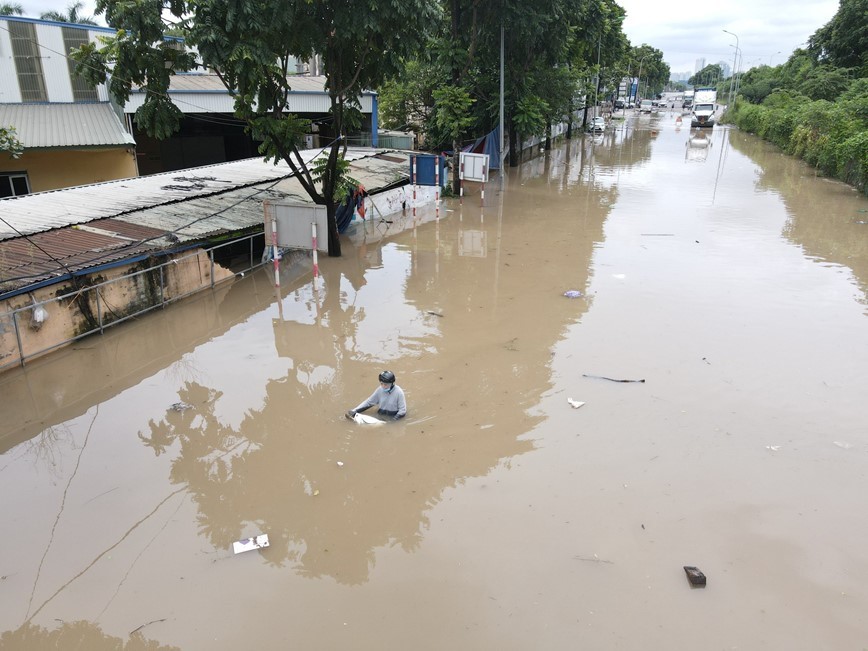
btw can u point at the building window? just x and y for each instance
(28, 62)
(13, 184)
(82, 91)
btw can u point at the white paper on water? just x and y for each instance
(249, 544)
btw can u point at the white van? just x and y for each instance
(645, 106)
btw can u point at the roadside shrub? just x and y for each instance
(831, 136)
(780, 126)
(748, 117)
(853, 161)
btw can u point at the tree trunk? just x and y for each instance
(456, 172)
(548, 145)
(456, 81)
(329, 181)
(513, 146)
(334, 238)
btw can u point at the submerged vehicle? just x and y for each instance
(645, 106)
(704, 107)
(597, 124)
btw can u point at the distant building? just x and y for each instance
(74, 134)
(725, 68)
(700, 64)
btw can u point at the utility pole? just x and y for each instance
(597, 85)
(734, 60)
(501, 104)
(639, 78)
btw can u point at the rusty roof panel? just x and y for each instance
(46, 255)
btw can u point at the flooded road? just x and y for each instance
(495, 516)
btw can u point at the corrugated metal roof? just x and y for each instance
(205, 82)
(219, 204)
(65, 125)
(205, 93)
(43, 211)
(48, 255)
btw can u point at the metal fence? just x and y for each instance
(155, 289)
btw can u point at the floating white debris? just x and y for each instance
(361, 419)
(249, 544)
(843, 445)
(619, 276)
(575, 404)
(340, 464)
(773, 448)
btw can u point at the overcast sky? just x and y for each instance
(684, 30)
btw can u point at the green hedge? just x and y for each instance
(831, 136)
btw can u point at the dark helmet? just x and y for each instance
(388, 377)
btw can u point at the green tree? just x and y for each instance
(9, 143)
(649, 69)
(73, 15)
(13, 9)
(708, 76)
(825, 82)
(250, 47)
(453, 112)
(843, 41)
(406, 101)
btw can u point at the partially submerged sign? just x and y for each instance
(293, 225)
(428, 169)
(473, 167)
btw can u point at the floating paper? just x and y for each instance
(361, 419)
(249, 544)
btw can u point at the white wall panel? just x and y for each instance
(189, 102)
(54, 65)
(9, 91)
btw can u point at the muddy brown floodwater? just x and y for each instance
(725, 275)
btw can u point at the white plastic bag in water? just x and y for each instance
(361, 419)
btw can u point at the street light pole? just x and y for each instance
(772, 57)
(734, 59)
(639, 78)
(738, 76)
(597, 86)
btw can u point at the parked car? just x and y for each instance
(619, 104)
(597, 124)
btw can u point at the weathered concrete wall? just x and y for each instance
(74, 308)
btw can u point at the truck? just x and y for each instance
(704, 106)
(687, 100)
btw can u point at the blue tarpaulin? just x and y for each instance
(346, 210)
(488, 144)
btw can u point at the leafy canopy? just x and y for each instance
(251, 46)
